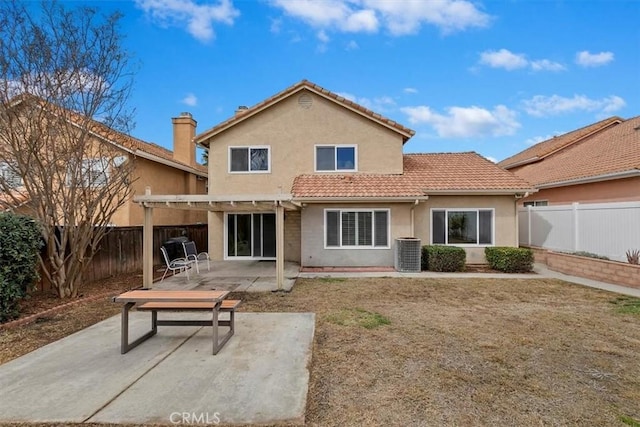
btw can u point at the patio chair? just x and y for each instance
(192, 254)
(177, 265)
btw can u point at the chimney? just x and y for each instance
(241, 110)
(184, 130)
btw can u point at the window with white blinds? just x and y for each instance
(357, 228)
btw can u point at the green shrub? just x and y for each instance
(443, 258)
(509, 260)
(589, 255)
(20, 242)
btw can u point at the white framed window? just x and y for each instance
(536, 203)
(253, 159)
(10, 176)
(356, 228)
(93, 173)
(336, 158)
(462, 227)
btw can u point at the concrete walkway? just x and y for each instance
(260, 376)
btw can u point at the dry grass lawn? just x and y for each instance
(416, 352)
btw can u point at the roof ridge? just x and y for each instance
(304, 83)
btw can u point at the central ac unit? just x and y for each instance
(407, 255)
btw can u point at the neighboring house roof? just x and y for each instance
(546, 148)
(424, 174)
(298, 87)
(612, 152)
(133, 145)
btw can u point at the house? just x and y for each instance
(339, 172)
(597, 163)
(174, 172)
(311, 177)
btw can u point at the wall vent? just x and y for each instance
(305, 101)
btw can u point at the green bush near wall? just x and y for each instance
(20, 241)
(443, 258)
(509, 260)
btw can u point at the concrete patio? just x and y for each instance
(261, 376)
(233, 276)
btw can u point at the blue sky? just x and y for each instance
(493, 77)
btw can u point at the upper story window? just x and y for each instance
(249, 159)
(331, 158)
(10, 176)
(462, 226)
(536, 203)
(93, 173)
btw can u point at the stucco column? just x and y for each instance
(147, 245)
(280, 246)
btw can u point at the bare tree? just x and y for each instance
(64, 82)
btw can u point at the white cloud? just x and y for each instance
(541, 106)
(198, 19)
(380, 104)
(546, 65)
(466, 122)
(398, 17)
(491, 159)
(587, 59)
(323, 37)
(503, 59)
(352, 45)
(510, 61)
(190, 100)
(410, 90)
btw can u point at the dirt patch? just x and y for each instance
(443, 351)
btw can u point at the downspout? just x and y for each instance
(413, 217)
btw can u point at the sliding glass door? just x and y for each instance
(251, 235)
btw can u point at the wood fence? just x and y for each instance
(120, 250)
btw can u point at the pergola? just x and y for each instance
(236, 203)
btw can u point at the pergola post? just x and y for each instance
(280, 246)
(147, 245)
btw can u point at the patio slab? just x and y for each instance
(239, 276)
(260, 376)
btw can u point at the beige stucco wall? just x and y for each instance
(164, 180)
(292, 132)
(505, 220)
(619, 190)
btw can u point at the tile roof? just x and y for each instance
(548, 147)
(203, 137)
(110, 134)
(423, 174)
(613, 150)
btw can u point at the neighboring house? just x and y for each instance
(323, 181)
(595, 164)
(164, 171)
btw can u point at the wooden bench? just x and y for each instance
(228, 306)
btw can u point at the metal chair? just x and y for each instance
(192, 254)
(178, 264)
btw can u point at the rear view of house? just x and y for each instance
(346, 190)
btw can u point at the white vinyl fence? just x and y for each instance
(608, 229)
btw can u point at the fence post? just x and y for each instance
(529, 225)
(576, 234)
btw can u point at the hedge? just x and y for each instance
(20, 241)
(443, 258)
(509, 260)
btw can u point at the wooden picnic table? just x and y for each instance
(175, 300)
